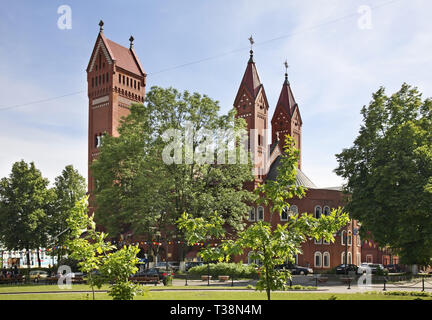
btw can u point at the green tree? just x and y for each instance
(69, 188)
(25, 201)
(270, 246)
(389, 173)
(86, 245)
(117, 268)
(98, 258)
(138, 192)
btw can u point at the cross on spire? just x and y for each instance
(251, 40)
(286, 70)
(131, 39)
(101, 23)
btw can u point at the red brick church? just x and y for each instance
(116, 79)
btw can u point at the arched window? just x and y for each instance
(358, 241)
(284, 215)
(326, 210)
(326, 260)
(358, 258)
(293, 209)
(250, 260)
(349, 238)
(318, 212)
(318, 259)
(343, 236)
(349, 258)
(343, 257)
(260, 213)
(252, 214)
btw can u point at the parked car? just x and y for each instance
(393, 268)
(345, 269)
(36, 275)
(162, 274)
(294, 269)
(192, 264)
(373, 267)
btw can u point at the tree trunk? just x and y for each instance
(28, 258)
(268, 284)
(38, 258)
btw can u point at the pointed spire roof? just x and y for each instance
(286, 97)
(125, 58)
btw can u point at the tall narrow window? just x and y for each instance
(343, 236)
(92, 82)
(138, 86)
(252, 214)
(318, 259)
(318, 212)
(134, 84)
(284, 214)
(326, 210)
(103, 78)
(326, 260)
(127, 81)
(124, 79)
(349, 238)
(119, 78)
(107, 77)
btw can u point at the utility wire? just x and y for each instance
(219, 55)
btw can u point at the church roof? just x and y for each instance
(286, 98)
(301, 178)
(251, 79)
(124, 58)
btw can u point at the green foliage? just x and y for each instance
(117, 267)
(236, 270)
(97, 257)
(24, 205)
(270, 246)
(69, 188)
(138, 192)
(389, 174)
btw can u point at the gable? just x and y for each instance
(99, 48)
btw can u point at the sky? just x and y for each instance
(339, 52)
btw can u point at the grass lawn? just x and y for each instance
(157, 294)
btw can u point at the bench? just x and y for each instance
(223, 278)
(145, 279)
(346, 279)
(322, 279)
(205, 278)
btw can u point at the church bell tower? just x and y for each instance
(115, 80)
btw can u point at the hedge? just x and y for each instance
(237, 270)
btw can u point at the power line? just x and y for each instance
(219, 55)
(41, 101)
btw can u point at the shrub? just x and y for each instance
(237, 270)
